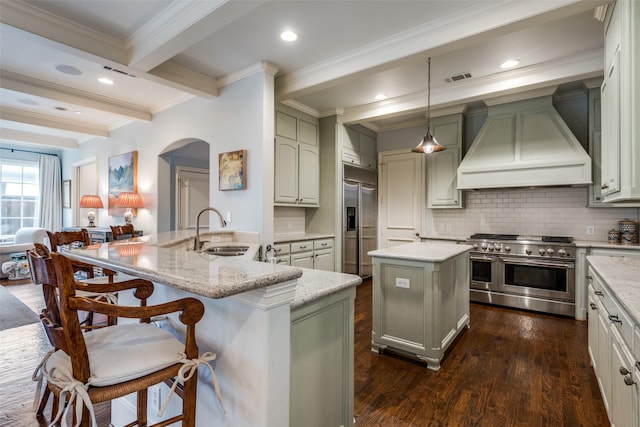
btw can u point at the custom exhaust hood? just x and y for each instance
(524, 144)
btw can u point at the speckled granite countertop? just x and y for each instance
(164, 258)
(315, 284)
(605, 245)
(622, 274)
(297, 237)
(421, 251)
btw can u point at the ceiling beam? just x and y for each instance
(37, 138)
(15, 115)
(179, 26)
(478, 23)
(24, 84)
(586, 65)
(66, 36)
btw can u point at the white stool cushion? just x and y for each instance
(124, 352)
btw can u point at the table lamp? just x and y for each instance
(91, 201)
(129, 201)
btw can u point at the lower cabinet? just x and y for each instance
(322, 358)
(610, 342)
(315, 254)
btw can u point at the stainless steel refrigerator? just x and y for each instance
(360, 218)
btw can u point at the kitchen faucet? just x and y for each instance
(197, 244)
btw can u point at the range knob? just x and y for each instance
(491, 248)
(475, 246)
(507, 248)
(541, 251)
(528, 251)
(562, 252)
(484, 246)
(550, 251)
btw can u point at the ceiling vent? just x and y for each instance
(115, 70)
(458, 77)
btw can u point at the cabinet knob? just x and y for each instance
(628, 379)
(593, 306)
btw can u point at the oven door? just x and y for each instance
(547, 279)
(484, 272)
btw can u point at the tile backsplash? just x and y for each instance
(288, 220)
(536, 211)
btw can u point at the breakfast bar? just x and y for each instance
(264, 321)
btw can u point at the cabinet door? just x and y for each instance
(308, 176)
(604, 356)
(302, 259)
(286, 171)
(323, 260)
(442, 167)
(610, 98)
(401, 198)
(622, 394)
(593, 325)
(368, 151)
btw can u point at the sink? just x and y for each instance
(226, 250)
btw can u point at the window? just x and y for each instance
(19, 195)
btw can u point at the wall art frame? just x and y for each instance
(123, 176)
(232, 170)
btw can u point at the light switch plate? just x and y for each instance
(403, 283)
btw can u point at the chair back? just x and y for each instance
(68, 238)
(43, 273)
(121, 232)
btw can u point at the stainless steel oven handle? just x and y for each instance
(537, 263)
(482, 258)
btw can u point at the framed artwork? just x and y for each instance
(66, 193)
(232, 167)
(123, 176)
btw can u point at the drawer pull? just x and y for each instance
(613, 318)
(599, 293)
(593, 306)
(604, 186)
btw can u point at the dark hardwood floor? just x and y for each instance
(511, 368)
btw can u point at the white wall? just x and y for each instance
(240, 118)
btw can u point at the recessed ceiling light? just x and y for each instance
(68, 69)
(381, 96)
(105, 81)
(289, 36)
(509, 63)
(78, 113)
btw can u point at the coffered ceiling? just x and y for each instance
(160, 53)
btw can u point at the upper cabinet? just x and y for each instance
(358, 148)
(442, 167)
(620, 104)
(297, 160)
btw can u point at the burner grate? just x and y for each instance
(557, 239)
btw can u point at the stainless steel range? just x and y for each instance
(530, 272)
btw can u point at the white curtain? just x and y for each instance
(50, 214)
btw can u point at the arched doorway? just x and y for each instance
(183, 183)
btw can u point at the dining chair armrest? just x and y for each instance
(191, 310)
(143, 288)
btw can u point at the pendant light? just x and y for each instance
(428, 144)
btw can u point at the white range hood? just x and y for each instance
(523, 144)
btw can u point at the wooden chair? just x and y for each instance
(121, 232)
(146, 355)
(61, 239)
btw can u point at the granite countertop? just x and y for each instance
(297, 237)
(421, 251)
(605, 245)
(166, 259)
(621, 274)
(315, 284)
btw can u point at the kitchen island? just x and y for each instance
(420, 299)
(274, 329)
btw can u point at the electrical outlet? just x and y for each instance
(403, 283)
(591, 230)
(228, 217)
(155, 397)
